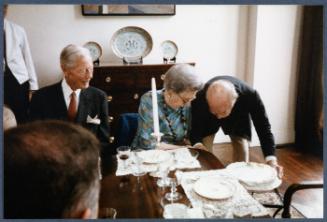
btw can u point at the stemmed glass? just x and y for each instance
(99, 168)
(174, 162)
(173, 195)
(138, 160)
(123, 153)
(163, 172)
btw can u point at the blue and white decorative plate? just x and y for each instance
(95, 50)
(169, 49)
(131, 42)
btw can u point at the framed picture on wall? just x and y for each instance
(136, 9)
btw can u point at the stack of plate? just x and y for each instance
(255, 176)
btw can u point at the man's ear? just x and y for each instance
(63, 68)
(86, 214)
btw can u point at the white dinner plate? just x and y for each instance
(214, 188)
(154, 156)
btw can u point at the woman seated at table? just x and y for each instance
(181, 84)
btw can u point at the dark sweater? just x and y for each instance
(248, 106)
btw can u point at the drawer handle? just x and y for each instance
(162, 77)
(108, 79)
(110, 119)
(136, 96)
(111, 139)
(109, 98)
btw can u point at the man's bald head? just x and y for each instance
(221, 96)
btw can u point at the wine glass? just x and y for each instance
(174, 162)
(138, 169)
(123, 153)
(173, 195)
(163, 173)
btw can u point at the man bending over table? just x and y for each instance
(230, 103)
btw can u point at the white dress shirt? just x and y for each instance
(18, 55)
(68, 91)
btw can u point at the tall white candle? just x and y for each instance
(156, 131)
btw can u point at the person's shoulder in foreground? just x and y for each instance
(50, 171)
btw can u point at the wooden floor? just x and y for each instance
(297, 167)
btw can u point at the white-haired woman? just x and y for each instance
(181, 84)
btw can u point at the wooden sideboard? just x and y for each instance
(125, 84)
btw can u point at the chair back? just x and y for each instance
(126, 129)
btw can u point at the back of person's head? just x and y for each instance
(9, 120)
(182, 77)
(50, 171)
(71, 53)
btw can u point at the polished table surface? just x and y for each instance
(135, 197)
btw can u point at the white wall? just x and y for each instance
(206, 35)
(221, 39)
(275, 64)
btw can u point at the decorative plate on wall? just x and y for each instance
(95, 50)
(131, 43)
(169, 49)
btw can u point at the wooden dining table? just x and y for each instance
(140, 197)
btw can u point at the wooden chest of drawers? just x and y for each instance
(125, 84)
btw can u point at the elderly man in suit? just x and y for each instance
(229, 103)
(72, 99)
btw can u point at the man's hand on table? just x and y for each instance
(278, 168)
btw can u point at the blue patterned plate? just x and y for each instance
(131, 42)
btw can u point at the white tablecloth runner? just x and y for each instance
(179, 159)
(242, 204)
